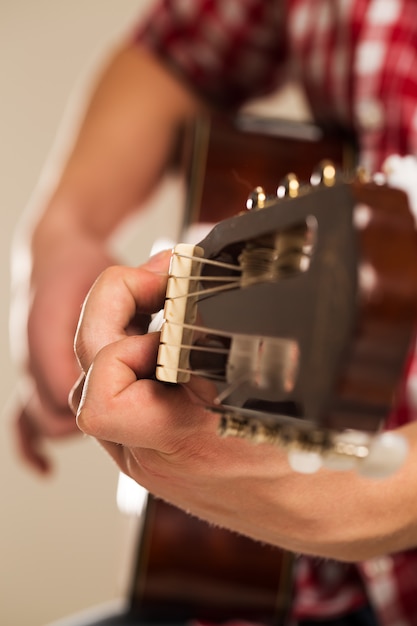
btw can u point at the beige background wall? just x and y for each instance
(61, 539)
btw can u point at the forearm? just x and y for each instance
(116, 157)
(337, 515)
(119, 154)
(351, 518)
(171, 445)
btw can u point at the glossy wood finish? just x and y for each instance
(188, 569)
(237, 154)
(387, 310)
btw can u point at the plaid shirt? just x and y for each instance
(357, 60)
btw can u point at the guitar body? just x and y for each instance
(187, 569)
(228, 157)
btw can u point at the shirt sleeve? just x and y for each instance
(227, 51)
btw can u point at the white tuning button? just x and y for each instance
(387, 453)
(339, 462)
(289, 187)
(257, 199)
(349, 447)
(304, 462)
(324, 174)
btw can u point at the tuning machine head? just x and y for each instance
(325, 174)
(257, 199)
(289, 186)
(309, 449)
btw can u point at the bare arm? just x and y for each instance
(121, 149)
(170, 444)
(118, 156)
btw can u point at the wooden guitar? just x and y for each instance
(301, 310)
(318, 318)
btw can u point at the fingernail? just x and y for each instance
(75, 394)
(156, 261)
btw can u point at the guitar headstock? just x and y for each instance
(301, 311)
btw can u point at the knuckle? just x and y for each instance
(88, 421)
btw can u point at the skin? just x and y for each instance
(120, 152)
(162, 436)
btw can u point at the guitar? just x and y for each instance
(186, 569)
(301, 311)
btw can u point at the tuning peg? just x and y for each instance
(304, 461)
(372, 457)
(348, 449)
(363, 175)
(324, 174)
(289, 187)
(386, 454)
(256, 199)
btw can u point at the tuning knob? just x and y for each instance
(372, 457)
(386, 454)
(256, 199)
(304, 461)
(324, 174)
(289, 187)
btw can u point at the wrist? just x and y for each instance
(59, 238)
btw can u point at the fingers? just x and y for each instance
(121, 404)
(49, 359)
(34, 424)
(29, 445)
(114, 302)
(75, 394)
(46, 418)
(41, 417)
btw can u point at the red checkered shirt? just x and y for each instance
(357, 60)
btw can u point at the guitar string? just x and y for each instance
(203, 329)
(208, 349)
(205, 278)
(199, 259)
(205, 292)
(214, 377)
(230, 388)
(232, 282)
(196, 348)
(206, 374)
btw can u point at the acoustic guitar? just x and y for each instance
(325, 351)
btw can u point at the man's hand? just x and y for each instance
(106, 176)
(163, 437)
(44, 319)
